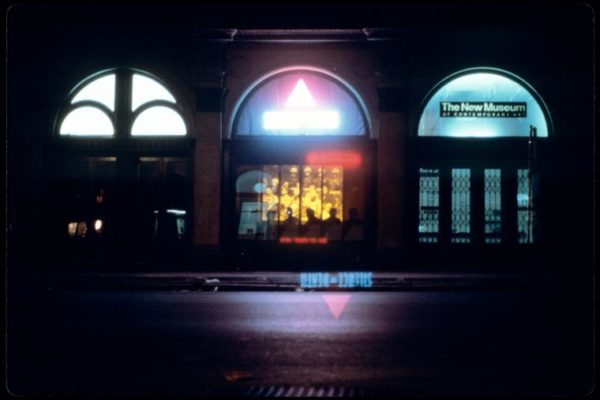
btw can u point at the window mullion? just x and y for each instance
(123, 112)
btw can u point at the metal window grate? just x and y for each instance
(525, 213)
(429, 204)
(492, 206)
(461, 205)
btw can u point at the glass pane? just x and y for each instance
(160, 209)
(482, 105)
(311, 205)
(250, 187)
(157, 121)
(492, 206)
(289, 206)
(525, 212)
(270, 200)
(101, 90)
(429, 205)
(145, 89)
(332, 200)
(353, 196)
(87, 121)
(461, 205)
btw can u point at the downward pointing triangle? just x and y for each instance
(336, 303)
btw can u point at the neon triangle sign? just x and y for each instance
(300, 97)
(301, 114)
(336, 303)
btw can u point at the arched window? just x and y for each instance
(476, 145)
(483, 103)
(124, 103)
(301, 177)
(300, 103)
(130, 196)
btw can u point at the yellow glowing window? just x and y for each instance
(283, 201)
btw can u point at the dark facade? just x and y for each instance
(387, 59)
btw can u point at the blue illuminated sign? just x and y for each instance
(309, 280)
(483, 104)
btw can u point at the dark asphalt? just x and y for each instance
(535, 341)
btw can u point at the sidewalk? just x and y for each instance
(296, 281)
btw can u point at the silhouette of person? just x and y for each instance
(312, 226)
(333, 225)
(312, 219)
(290, 220)
(289, 227)
(333, 219)
(353, 227)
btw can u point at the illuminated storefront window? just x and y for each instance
(312, 194)
(298, 203)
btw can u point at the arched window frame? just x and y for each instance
(256, 86)
(123, 117)
(446, 152)
(449, 78)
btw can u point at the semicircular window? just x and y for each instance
(300, 103)
(152, 110)
(92, 109)
(483, 104)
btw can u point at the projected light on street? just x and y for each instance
(301, 114)
(336, 302)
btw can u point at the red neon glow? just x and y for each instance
(336, 303)
(303, 240)
(347, 159)
(300, 97)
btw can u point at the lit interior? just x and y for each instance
(274, 203)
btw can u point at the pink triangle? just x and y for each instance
(336, 303)
(300, 97)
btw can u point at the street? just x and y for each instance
(535, 341)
